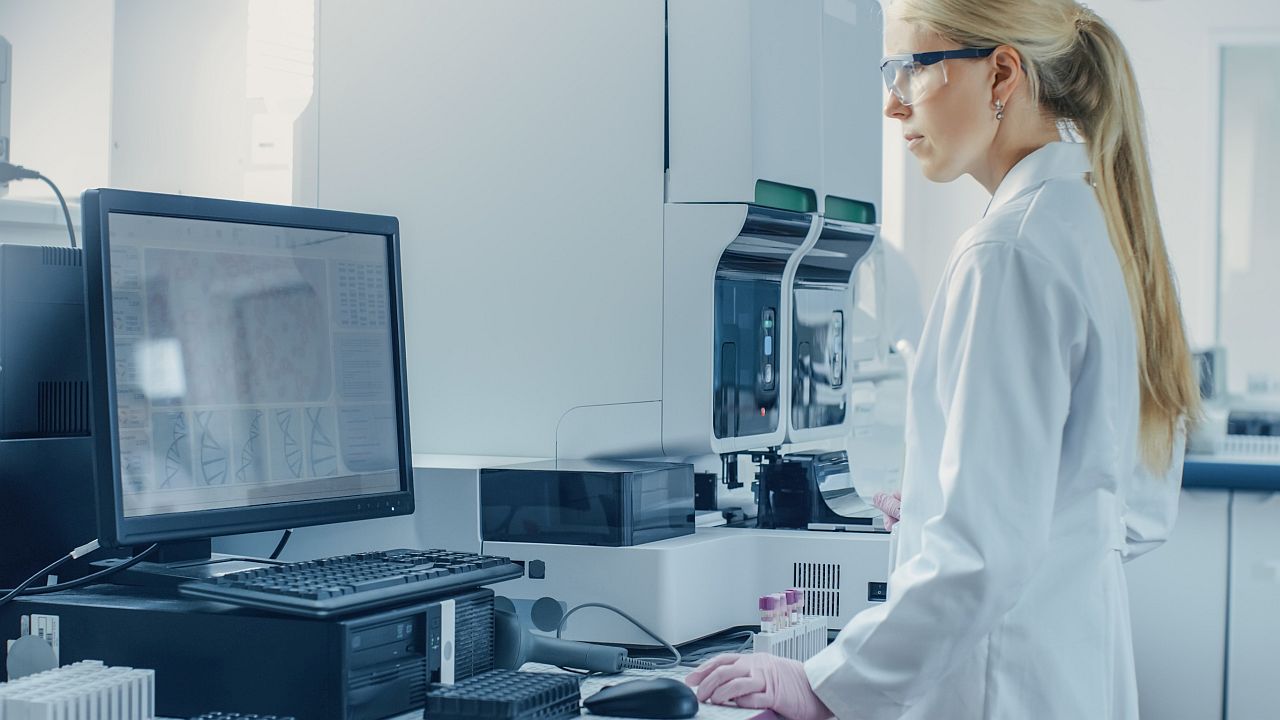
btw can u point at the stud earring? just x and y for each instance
(999, 109)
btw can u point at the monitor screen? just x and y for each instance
(255, 376)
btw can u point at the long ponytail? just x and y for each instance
(1122, 176)
(1079, 70)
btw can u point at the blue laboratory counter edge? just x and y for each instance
(1209, 472)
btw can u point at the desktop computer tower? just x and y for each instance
(212, 656)
(46, 506)
(46, 454)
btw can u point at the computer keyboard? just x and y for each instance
(350, 583)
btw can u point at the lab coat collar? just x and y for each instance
(1057, 159)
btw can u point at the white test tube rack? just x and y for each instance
(798, 642)
(87, 690)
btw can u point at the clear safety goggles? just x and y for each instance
(912, 76)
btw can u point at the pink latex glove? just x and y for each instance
(891, 506)
(761, 682)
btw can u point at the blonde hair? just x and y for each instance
(1078, 70)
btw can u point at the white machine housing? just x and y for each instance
(773, 90)
(694, 586)
(555, 321)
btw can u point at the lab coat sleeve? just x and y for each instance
(1010, 330)
(1151, 503)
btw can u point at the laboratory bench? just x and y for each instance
(1205, 606)
(1213, 472)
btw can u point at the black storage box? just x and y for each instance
(586, 502)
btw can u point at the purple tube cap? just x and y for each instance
(768, 602)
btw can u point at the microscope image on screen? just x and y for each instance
(253, 364)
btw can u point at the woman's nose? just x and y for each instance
(893, 107)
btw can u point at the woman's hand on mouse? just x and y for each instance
(759, 681)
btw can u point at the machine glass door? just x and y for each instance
(748, 307)
(822, 313)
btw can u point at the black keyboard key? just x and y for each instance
(376, 583)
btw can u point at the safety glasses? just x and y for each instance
(912, 76)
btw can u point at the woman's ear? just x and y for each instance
(1008, 73)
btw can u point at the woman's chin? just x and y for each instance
(937, 172)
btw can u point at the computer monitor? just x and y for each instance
(246, 366)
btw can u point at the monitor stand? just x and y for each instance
(172, 564)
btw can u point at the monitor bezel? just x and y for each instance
(114, 528)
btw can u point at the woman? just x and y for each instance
(1048, 391)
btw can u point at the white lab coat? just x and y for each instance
(1023, 489)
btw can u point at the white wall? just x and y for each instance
(180, 116)
(61, 91)
(1173, 45)
(521, 149)
(922, 220)
(1250, 215)
(216, 116)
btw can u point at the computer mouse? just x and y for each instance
(661, 698)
